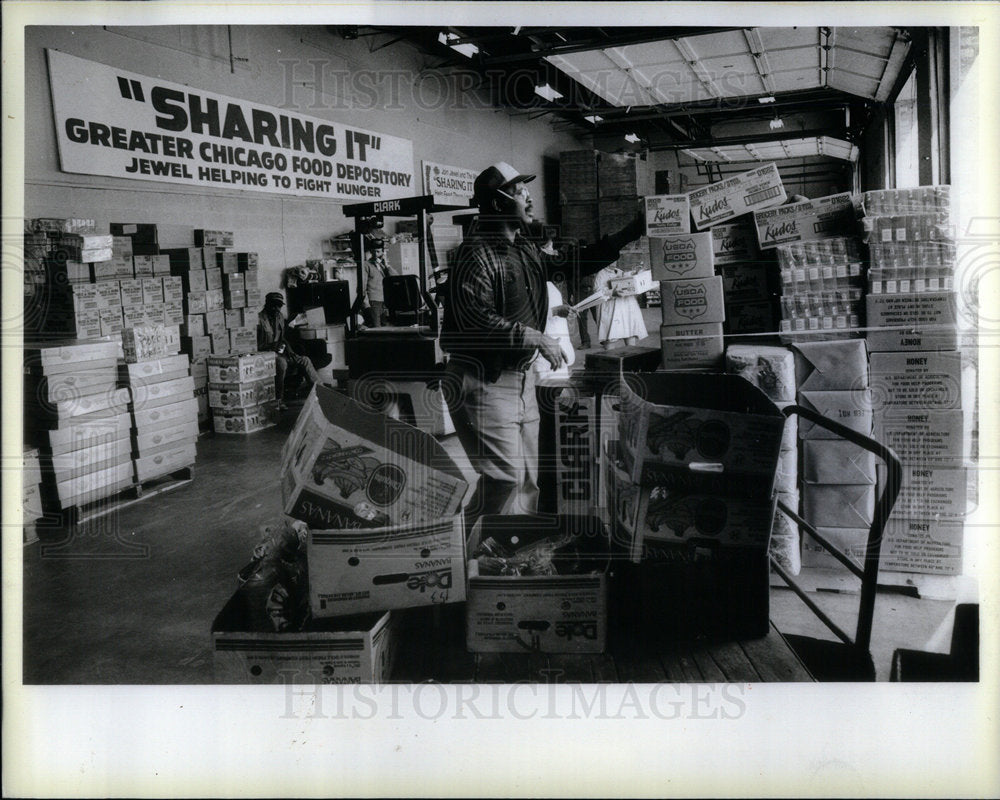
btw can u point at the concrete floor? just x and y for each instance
(130, 598)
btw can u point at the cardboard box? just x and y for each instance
(929, 492)
(234, 282)
(109, 402)
(924, 437)
(744, 318)
(173, 288)
(681, 256)
(749, 191)
(184, 259)
(220, 343)
(131, 293)
(215, 300)
(142, 266)
(74, 464)
(745, 283)
(247, 261)
(161, 265)
(241, 368)
(852, 542)
(156, 418)
(207, 238)
(404, 257)
(733, 243)
(838, 505)
(680, 418)
(193, 281)
(196, 346)
(159, 393)
(639, 283)
(836, 461)
(910, 381)
(925, 546)
(240, 395)
(838, 365)
(234, 319)
(196, 302)
(245, 420)
(243, 340)
(49, 389)
(143, 343)
(89, 430)
(345, 467)
(698, 301)
(853, 410)
(539, 613)
(213, 278)
(809, 219)
(154, 370)
(171, 460)
(152, 290)
(173, 314)
(691, 346)
(94, 485)
(227, 262)
(353, 572)
(235, 299)
(667, 214)
(576, 452)
(146, 443)
(340, 651)
(926, 321)
(215, 323)
(60, 225)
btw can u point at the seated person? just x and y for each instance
(271, 336)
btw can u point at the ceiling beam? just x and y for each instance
(725, 141)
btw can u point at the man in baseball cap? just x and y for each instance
(495, 310)
(271, 336)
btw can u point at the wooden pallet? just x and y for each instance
(130, 495)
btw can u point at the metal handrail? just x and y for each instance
(873, 547)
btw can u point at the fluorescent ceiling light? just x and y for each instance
(631, 137)
(765, 99)
(594, 118)
(776, 123)
(547, 92)
(468, 49)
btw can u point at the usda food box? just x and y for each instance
(357, 649)
(344, 467)
(687, 255)
(810, 219)
(541, 613)
(698, 300)
(749, 191)
(691, 346)
(377, 569)
(680, 418)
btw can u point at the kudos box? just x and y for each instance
(360, 649)
(734, 243)
(686, 255)
(556, 613)
(698, 300)
(667, 214)
(377, 569)
(749, 191)
(345, 467)
(810, 219)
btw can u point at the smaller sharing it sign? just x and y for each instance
(124, 125)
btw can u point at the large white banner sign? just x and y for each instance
(451, 186)
(123, 125)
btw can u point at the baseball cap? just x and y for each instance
(274, 297)
(497, 177)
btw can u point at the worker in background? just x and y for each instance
(376, 268)
(495, 311)
(271, 336)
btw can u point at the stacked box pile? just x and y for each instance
(31, 497)
(621, 181)
(772, 370)
(838, 477)
(822, 285)
(748, 279)
(241, 392)
(164, 414)
(917, 373)
(691, 303)
(578, 196)
(78, 418)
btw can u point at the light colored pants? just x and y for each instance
(281, 363)
(497, 424)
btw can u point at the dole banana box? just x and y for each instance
(345, 467)
(378, 569)
(692, 301)
(686, 255)
(348, 650)
(560, 613)
(749, 191)
(682, 418)
(810, 219)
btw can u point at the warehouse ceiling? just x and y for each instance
(716, 94)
